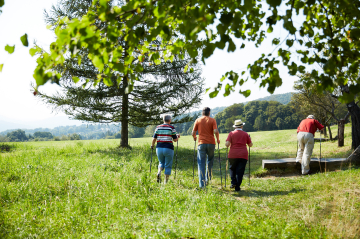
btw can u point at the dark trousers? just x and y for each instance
(237, 169)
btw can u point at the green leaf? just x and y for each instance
(129, 89)
(75, 79)
(10, 49)
(214, 94)
(245, 93)
(274, 3)
(242, 46)
(276, 41)
(186, 68)
(289, 42)
(231, 47)
(107, 81)
(34, 50)
(355, 33)
(226, 18)
(2, 2)
(1, 67)
(24, 40)
(227, 90)
(98, 63)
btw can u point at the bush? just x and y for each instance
(5, 147)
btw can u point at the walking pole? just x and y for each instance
(194, 161)
(177, 145)
(226, 165)
(320, 151)
(249, 163)
(220, 165)
(152, 149)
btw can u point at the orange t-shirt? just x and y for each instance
(205, 125)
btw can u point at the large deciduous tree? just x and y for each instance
(329, 34)
(160, 88)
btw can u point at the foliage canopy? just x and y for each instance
(329, 35)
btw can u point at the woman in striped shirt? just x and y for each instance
(165, 135)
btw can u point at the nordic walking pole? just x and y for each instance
(249, 163)
(194, 160)
(226, 165)
(220, 165)
(152, 149)
(320, 150)
(177, 146)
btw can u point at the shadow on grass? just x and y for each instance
(257, 193)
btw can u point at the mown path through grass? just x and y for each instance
(92, 189)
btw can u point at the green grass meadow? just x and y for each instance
(93, 189)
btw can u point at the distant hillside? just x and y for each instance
(87, 131)
(213, 111)
(282, 98)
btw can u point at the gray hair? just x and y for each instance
(311, 117)
(167, 118)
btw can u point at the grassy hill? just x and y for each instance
(92, 189)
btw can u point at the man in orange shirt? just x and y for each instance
(206, 126)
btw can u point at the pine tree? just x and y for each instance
(161, 89)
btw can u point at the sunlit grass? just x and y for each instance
(93, 189)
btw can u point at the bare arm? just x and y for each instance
(227, 144)
(153, 142)
(194, 135)
(216, 132)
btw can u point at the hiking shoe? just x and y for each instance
(158, 178)
(232, 186)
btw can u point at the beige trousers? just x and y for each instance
(306, 146)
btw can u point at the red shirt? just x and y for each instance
(205, 125)
(238, 139)
(309, 125)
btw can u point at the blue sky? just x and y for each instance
(24, 16)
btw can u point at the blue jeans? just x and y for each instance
(205, 156)
(165, 156)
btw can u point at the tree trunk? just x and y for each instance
(341, 127)
(325, 133)
(124, 142)
(330, 134)
(354, 111)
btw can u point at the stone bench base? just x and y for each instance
(328, 164)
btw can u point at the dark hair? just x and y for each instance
(206, 111)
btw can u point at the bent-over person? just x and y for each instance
(305, 137)
(238, 154)
(164, 135)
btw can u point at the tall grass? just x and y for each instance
(93, 189)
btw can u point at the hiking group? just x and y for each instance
(206, 128)
(238, 140)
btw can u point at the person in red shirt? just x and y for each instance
(305, 136)
(206, 126)
(238, 154)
